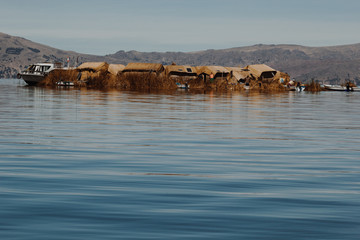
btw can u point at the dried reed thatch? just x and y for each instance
(181, 70)
(145, 81)
(218, 84)
(282, 77)
(97, 74)
(217, 71)
(180, 74)
(274, 86)
(103, 80)
(154, 76)
(93, 66)
(144, 67)
(115, 68)
(238, 74)
(262, 71)
(61, 75)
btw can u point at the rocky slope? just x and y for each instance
(329, 64)
(17, 53)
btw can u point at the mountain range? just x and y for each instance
(331, 64)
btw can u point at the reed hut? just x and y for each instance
(215, 73)
(262, 72)
(90, 70)
(180, 73)
(145, 76)
(238, 74)
(144, 68)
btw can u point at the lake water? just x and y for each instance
(89, 164)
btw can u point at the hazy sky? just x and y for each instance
(107, 26)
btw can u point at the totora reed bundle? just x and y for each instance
(313, 86)
(61, 75)
(144, 81)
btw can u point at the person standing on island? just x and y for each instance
(211, 77)
(348, 87)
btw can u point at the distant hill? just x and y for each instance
(329, 64)
(17, 53)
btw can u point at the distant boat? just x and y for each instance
(37, 72)
(341, 88)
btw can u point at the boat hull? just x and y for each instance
(32, 79)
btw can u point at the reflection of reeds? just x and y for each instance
(313, 86)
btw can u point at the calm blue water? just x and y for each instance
(87, 164)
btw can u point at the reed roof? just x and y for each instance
(144, 67)
(259, 69)
(238, 72)
(115, 68)
(94, 66)
(183, 69)
(211, 70)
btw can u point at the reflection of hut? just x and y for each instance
(218, 72)
(115, 68)
(238, 74)
(262, 72)
(144, 68)
(180, 72)
(90, 70)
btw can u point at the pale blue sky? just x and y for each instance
(106, 26)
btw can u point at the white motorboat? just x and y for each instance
(37, 72)
(341, 88)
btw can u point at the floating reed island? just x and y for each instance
(155, 76)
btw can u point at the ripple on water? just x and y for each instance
(78, 164)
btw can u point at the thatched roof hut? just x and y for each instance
(180, 70)
(239, 74)
(115, 68)
(217, 71)
(261, 71)
(144, 67)
(91, 70)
